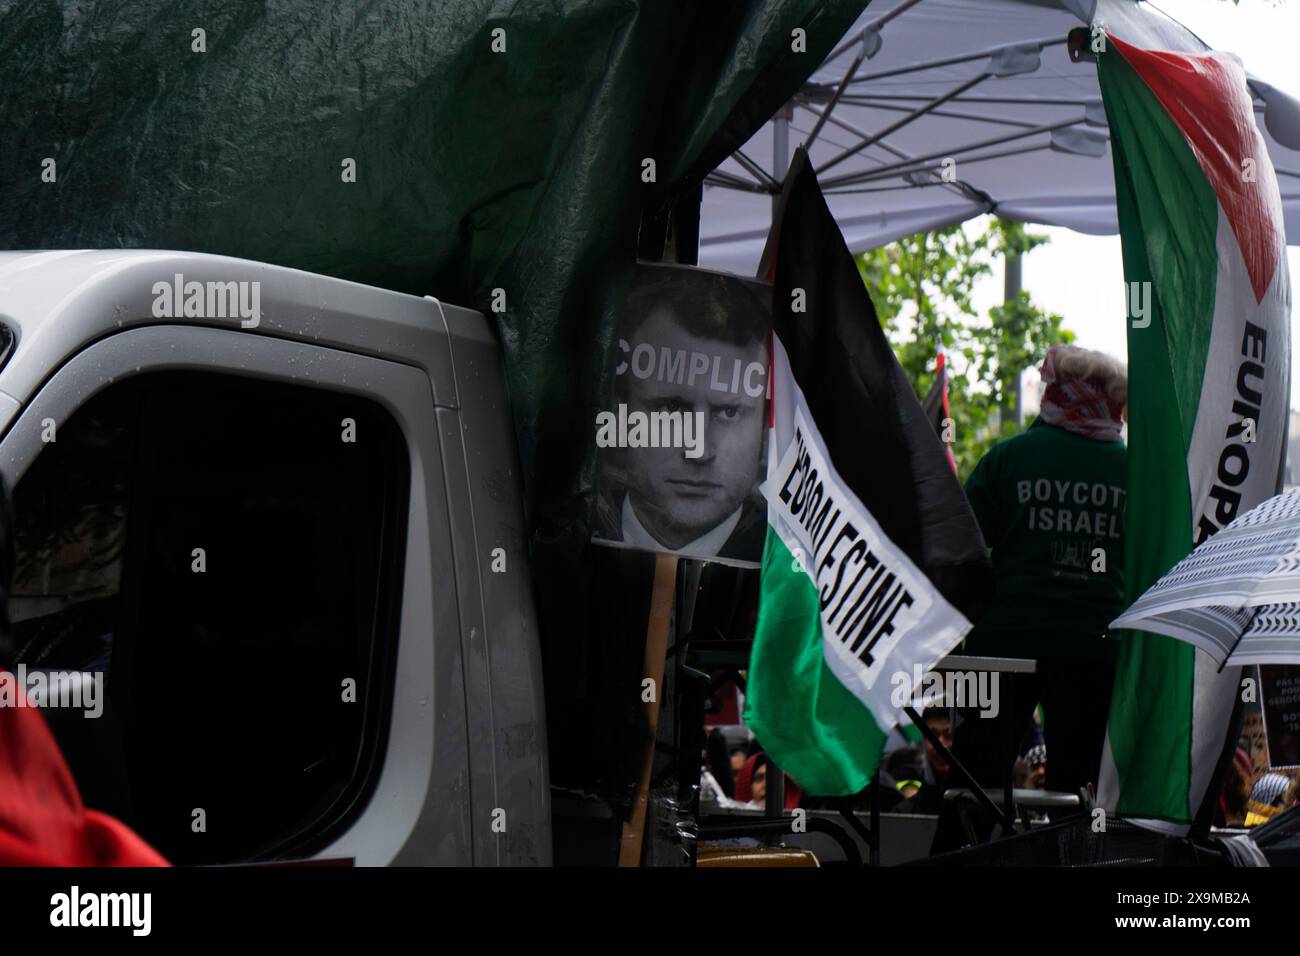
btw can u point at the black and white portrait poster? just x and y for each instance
(681, 451)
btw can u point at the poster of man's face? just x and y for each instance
(681, 445)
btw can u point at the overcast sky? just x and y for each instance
(1081, 277)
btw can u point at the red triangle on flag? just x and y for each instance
(1207, 98)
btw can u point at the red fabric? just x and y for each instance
(744, 791)
(42, 820)
(1078, 406)
(1207, 98)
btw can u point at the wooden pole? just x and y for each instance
(656, 650)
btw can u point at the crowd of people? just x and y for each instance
(912, 777)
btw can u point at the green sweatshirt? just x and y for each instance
(1051, 506)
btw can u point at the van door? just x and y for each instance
(242, 540)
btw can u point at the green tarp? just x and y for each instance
(476, 169)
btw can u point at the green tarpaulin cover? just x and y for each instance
(483, 160)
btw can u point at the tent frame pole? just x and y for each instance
(955, 187)
(875, 24)
(870, 99)
(774, 801)
(947, 114)
(968, 161)
(835, 98)
(891, 169)
(758, 172)
(855, 130)
(953, 60)
(909, 118)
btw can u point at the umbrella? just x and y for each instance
(1237, 595)
(932, 112)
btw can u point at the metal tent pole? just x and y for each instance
(875, 24)
(899, 167)
(774, 804)
(1011, 285)
(780, 152)
(912, 116)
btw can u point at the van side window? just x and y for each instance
(226, 555)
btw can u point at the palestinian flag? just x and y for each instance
(1209, 349)
(873, 562)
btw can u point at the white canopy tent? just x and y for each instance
(982, 90)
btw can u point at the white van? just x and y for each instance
(280, 514)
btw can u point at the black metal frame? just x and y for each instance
(726, 827)
(1007, 817)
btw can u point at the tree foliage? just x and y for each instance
(923, 286)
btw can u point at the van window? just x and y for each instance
(226, 553)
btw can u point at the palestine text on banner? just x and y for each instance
(877, 613)
(873, 562)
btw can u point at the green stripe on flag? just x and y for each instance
(1168, 215)
(1150, 719)
(828, 741)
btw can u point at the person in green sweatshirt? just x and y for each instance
(1050, 502)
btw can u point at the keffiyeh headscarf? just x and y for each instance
(1079, 404)
(1268, 798)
